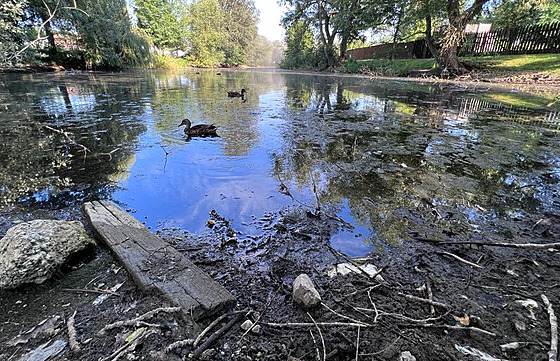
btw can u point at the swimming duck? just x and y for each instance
(199, 130)
(233, 94)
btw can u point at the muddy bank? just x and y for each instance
(493, 302)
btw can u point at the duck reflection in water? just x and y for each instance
(199, 130)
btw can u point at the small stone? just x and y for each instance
(247, 325)
(304, 291)
(406, 356)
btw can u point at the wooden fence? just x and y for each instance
(533, 39)
(412, 49)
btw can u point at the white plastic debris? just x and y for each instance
(530, 305)
(45, 351)
(471, 351)
(344, 269)
(104, 296)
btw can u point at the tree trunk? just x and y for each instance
(454, 35)
(345, 37)
(326, 50)
(429, 41)
(50, 36)
(396, 34)
(450, 61)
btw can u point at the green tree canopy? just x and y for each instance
(12, 34)
(206, 22)
(240, 29)
(158, 19)
(512, 13)
(109, 39)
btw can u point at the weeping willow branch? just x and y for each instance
(51, 13)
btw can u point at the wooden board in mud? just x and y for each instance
(155, 265)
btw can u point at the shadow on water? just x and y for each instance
(392, 159)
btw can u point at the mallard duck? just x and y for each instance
(199, 130)
(233, 94)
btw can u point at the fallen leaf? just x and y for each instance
(465, 320)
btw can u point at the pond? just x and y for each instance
(389, 160)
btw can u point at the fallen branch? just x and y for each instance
(420, 299)
(65, 134)
(321, 335)
(307, 324)
(179, 344)
(553, 353)
(358, 344)
(461, 259)
(143, 317)
(103, 292)
(493, 244)
(342, 316)
(72, 340)
(450, 327)
(215, 336)
(430, 295)
(214, 323)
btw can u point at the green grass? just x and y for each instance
(401, 67)
(534, 62)
(538, 62)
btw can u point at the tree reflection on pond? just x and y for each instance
(393, 159)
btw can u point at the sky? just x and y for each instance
(269, 20)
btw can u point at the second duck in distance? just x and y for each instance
(233, 94)
(199, 130)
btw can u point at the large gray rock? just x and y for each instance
(32, 251)
(304, 291)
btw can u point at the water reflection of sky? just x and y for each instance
(374, 150)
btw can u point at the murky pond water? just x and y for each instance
(391, 159)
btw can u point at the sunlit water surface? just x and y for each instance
(389, 158)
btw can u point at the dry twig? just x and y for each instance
(345, 317)
(358, 344)
(321, 335)
(493, 244)
(143, 317)
(420, 299)
(72, 340)
(103, 292)
(214, 323)
(307, 324)
(451, 327)
(461, 259)
(196, 353)
(553, 353)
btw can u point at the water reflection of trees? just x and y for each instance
(52, 168)
(202, 97)
(411, 165)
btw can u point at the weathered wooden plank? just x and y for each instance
(155, 265)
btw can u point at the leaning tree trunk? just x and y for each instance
(448, 53)
(455, 33)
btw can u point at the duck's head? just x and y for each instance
(186, 122)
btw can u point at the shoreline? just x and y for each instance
(535, 82)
